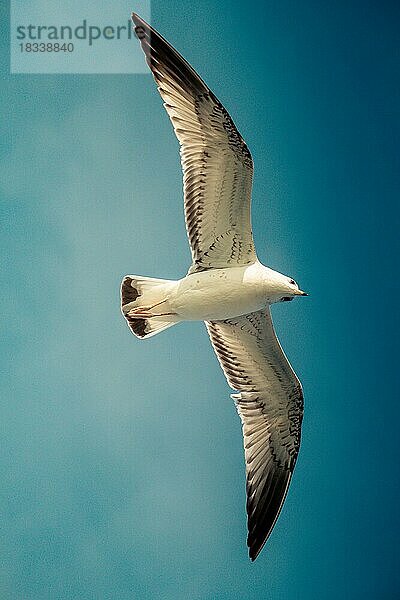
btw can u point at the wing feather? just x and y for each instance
(270, 405)
(217, 165)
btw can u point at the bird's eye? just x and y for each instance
(292, 282)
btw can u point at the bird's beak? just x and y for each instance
(300, 293)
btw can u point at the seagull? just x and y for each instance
(226, 286)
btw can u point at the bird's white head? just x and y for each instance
(282, 288)
(293, 290)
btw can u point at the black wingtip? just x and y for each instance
(263, 516)
(140, 26)
(138, 21)
(255, 550)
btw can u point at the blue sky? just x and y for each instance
(122, 464)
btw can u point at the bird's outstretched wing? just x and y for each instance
(217, 165)
(270, 405)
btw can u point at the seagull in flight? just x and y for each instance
(226, 286)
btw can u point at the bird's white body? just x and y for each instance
(212, 295)
(219, 294)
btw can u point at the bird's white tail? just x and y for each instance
(145, 306)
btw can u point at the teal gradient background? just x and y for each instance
(121, 462)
